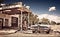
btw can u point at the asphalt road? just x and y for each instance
(19, 34)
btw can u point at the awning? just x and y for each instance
(15, 10)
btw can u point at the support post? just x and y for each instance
(21, 20)
(4, 22)
(28, 19)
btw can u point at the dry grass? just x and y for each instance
(55, 27)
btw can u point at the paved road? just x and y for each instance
(19, 34)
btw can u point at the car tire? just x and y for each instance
(33, 31)
(38, 31)
(51, 31)
(47, 32)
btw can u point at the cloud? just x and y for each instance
(52, 8)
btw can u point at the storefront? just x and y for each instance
(15, 17)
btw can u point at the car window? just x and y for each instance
(43, 27)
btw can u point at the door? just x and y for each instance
(6, 23)
(1, 23)
(14, 22)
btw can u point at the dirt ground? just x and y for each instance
(55, 27)
(19, 34)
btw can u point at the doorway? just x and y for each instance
(14, 22)
(6, 23)
(1, 23)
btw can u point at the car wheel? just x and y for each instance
(48, 32)
(51, 31)
(38, 31)
(33, 31)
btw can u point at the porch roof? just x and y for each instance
(16, 10)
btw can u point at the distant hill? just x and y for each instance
(50, 17)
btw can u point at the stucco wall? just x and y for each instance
(5, 16)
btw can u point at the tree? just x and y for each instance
(45, 21)
(33, 19)
(53, 22)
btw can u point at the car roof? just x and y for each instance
(45, 25)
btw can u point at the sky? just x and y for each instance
(41, 6)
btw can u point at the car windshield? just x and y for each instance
(43, 27)
(35, 26)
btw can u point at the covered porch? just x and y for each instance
(18, 18)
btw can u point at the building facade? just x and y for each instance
(14, 16)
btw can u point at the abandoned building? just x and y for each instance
(14, 16)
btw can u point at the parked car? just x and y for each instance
(41, 29)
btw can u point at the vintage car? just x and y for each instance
(40, 29)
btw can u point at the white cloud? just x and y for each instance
(52, 8)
